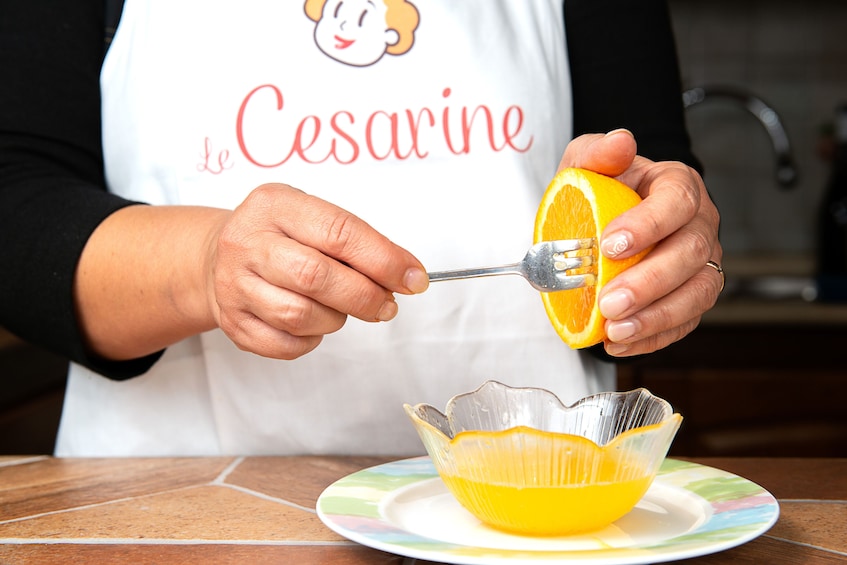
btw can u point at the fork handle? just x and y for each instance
(513, 269)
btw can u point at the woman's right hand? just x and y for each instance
(287, 268)
(276, 274)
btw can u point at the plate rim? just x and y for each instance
(613, 556)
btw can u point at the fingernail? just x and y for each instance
(615, 244)
(616, 348)
(387, 311)
(620, 130)
(615, 303)
(620, 331)
(416, 280)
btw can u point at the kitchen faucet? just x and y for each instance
(786, 170)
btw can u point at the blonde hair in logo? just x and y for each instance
(401, 16)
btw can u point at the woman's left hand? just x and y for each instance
(662, 298)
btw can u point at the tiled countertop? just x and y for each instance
(261, 510)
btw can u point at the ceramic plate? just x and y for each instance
(404, 508)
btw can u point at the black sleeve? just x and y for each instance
(625, 73)
(52, 190)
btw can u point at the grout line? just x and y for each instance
(809, 545)
(811, 501)
(221, 482)
(269, 498)
(218, 481)
(24, 461)
(221, 479)
(165, 541)
(95, 505)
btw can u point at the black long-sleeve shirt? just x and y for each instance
(52, 189)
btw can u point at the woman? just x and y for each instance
(231, 314)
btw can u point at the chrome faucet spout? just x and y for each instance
(786, 170)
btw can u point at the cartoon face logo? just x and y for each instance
(360, 32)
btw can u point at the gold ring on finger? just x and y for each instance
(719, 269)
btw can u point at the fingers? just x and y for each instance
(306, 271)
(673, 261)
(666, 320)
(662, 298)
(277, 323)
(610, 154)
(288, 268)
(341, 236)
(673, 196)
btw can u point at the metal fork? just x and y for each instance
(546, 266)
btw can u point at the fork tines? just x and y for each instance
(565, 245)
(563, 263)
(574, 255)
(571, 254)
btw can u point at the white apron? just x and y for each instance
(444, 143)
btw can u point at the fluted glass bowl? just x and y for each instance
(521, 461)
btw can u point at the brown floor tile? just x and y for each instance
(212, 512)
(823, 525)
(193, 554)
(297, 479)
(766, 551)
(818, 478)
(757, 552)
(58, 484)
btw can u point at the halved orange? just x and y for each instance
(579, 203)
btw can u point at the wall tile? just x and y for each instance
(793, 55)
